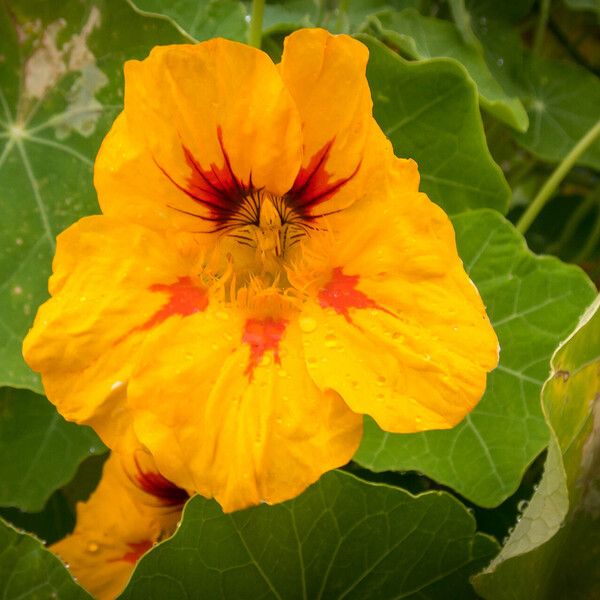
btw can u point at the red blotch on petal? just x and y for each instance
(262, 335)
(185, 299)
(341, 294)
(137, 549)
(165, 491)
(312, 185)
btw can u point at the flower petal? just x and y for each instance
(326, 77)
(395, 325)
(111, 534)
(235, 415)
(205, 122)
(112, 283)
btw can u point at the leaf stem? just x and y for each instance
(546, 191)
(540, 28)
(255, 33)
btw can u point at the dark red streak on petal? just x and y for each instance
(185, 299)
(341, 294)
(137, 549)
(217, 188)
(261, 336)
(165, 491)
(313, 186)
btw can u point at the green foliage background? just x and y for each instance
(489, 98)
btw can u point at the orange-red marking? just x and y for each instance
(137, 549)
(185, 299)
(341, 294)
(262, 335)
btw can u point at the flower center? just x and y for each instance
(266, 223)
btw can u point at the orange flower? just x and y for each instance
(264, 273)
(129, 512)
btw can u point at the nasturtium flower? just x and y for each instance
(132, 508)
(265, 272)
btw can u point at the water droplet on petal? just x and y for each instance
(381, 380)
(307, 324)
(331, 341)
(92, 547)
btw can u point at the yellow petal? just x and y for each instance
(206, 119)
(401, 334)
(236, 416)
(111, 534)
(112, 283)
(326, 77)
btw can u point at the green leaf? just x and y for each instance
(483, 10)
(430, 112)
(39, 450)
(563, 103)
(199, 21)
(51, 524)
(553, 551)
(60, 89)
(533, 302)
(286, 16)
(424, 38)
(28, 570)
(342, 538)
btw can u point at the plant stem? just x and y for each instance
(538, 203)
(255, 33)
(540, 28)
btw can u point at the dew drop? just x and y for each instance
(381, 380)
(265, 360)
(92, 547)
(522, 505)
(308, 324)
(331, 341)
(282, 373)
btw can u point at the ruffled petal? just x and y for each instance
(395, 325)
(202, 125)
(112, 284)
(326, 76)
(226, 406)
